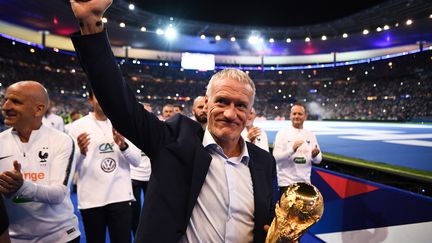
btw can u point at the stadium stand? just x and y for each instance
(397, 89)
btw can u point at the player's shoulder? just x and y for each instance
(54, 133)
(83, 122)
(5, 133)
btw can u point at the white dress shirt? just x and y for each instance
(224, 211)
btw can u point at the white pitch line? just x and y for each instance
(385, 136)
(412, 142)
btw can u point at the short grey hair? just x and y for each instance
(233, 74)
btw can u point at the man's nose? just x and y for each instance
(230, 112)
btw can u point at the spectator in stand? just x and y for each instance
(140, 176)
(254, 134)
(52, 120)
(104, 184)
(295, 149)
(199, 111)
(36, 169)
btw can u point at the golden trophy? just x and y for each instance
(299, 207)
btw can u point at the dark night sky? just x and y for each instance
(257, 13)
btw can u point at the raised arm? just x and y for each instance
(116, 98)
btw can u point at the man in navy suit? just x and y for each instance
(206, 185)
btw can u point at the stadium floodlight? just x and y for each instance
(253, 39)
(159, 31)
(170, 33)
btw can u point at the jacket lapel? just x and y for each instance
(258, 175)
(201, 165)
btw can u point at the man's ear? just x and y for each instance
(206, 103)
(40, 110)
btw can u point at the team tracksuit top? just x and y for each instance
(41, 210)
(143, 170)
(103, 173)
(294, 166)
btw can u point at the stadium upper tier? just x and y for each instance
(394, 26)
(395, 89)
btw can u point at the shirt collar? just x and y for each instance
(34, 133)
(210, 144)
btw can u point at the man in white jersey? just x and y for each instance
(104, 182)
(254, 134)
(36, 168)
(295, 149)
(50, 119)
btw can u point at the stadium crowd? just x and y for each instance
(396, 89)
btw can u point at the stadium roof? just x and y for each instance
(56, 17)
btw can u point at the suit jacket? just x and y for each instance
(178, 159)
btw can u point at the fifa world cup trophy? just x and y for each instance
(299, 207)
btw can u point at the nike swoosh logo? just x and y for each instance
(4, 157)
